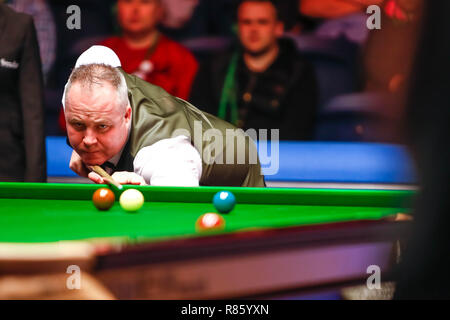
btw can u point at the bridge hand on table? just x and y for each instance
(122, 177)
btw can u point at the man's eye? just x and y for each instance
(77, 125)
(103, 126)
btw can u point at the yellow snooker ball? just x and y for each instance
(131, 200)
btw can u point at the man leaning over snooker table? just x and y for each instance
(142, 135)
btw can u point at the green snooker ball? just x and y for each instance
(131, 200)
(224, 201)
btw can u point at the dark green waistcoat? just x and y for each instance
(229, 156)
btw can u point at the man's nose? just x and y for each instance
(254, 28)
(89, 138)
(135, 7)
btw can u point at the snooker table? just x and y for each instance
(275, 240)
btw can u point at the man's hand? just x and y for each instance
(77, 165)
(125, 177)
(122, 177)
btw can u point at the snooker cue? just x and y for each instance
(99, 170)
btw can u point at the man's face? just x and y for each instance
(258, 26)
(139, 16)
(96, 126)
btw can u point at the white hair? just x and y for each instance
(97, 74)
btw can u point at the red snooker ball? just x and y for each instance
(209, 222)
(103, 198)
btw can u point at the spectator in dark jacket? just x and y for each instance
(262, 84)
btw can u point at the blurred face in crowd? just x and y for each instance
(97, 126)
(258, 26)
(139, 16)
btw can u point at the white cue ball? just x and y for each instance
(131, 200)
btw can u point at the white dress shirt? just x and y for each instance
(169, 162)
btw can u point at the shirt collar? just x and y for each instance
(115, 160)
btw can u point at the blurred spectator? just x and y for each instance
(149, 54)
(45, 27)
(387, 55)
(385, 66)
(21, 100)
(262, 84)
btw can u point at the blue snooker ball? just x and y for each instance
(224, 201)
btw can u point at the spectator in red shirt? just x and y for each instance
(147, 53)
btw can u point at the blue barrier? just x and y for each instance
(58, 157)
(345, 162)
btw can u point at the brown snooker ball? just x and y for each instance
(103, 198)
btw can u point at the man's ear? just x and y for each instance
(128, 113)
(279, 29)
